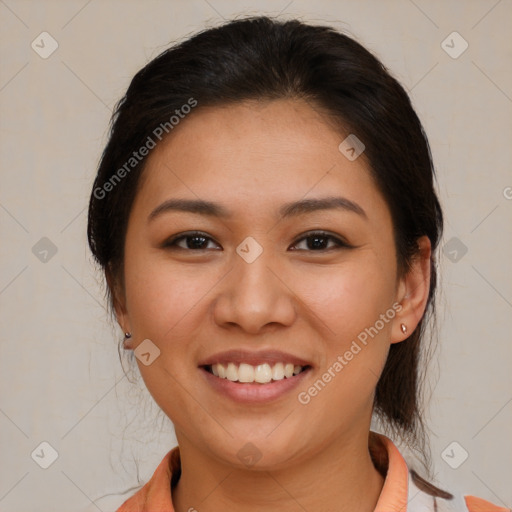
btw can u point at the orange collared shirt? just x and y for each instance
(399, 493)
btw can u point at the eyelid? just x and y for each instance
(338, 240)
(171, 242)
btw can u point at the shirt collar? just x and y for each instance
(387, 458)
(156, 493)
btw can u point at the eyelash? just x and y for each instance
(339, 243)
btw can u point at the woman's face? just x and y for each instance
(259, 288)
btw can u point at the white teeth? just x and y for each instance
(232, 372)
(262, 373)
(278, 371)
(245, 373)
(288, 370)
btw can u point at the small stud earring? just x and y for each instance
(126, 343)
(403, 327)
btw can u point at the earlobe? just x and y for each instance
(413, 293)
(124, 323)
(119, 304)
(127, 341)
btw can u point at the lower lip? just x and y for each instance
(253, 393)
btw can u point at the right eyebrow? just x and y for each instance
(190, 205)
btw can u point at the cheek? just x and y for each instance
(349, 298)
(158, 295)
(167, 304)
(350, 301)
(355, 341)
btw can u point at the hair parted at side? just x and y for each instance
(259, 58)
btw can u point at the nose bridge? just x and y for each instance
(255, 281)
(253, 296)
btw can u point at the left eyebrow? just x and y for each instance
(292, 209)
(325, 203)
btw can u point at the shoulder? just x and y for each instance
(476, 504)
(157, 486)
(424, 497)
(421, 500)
(405, 490)
(460, 503)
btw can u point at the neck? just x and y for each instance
(341, 477)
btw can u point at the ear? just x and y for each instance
(119, 303)
(412, 294)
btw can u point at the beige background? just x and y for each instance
(61, 381)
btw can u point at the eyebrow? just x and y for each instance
(295, 208)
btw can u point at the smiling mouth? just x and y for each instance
(255, 374)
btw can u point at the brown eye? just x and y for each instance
(319, 241)
(191, 241)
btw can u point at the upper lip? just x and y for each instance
(239, 356)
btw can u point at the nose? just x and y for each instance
(254, 298)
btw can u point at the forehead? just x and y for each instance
(257, 154)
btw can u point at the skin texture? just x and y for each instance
(252, 158)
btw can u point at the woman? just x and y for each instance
(266, 219)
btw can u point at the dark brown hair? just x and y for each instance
(260, 58)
